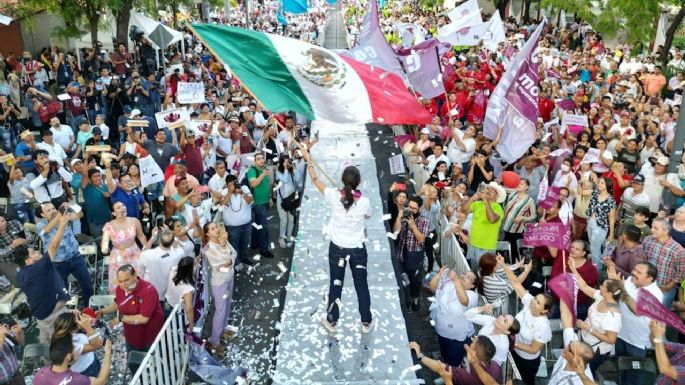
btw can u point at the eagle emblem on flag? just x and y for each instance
(323, 68)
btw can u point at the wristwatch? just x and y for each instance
(419, 357)
(657, 341)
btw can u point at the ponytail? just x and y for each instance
(351, 180)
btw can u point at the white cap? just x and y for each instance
(135, 112)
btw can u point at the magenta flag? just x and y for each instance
(551, 196)
(552, 73)
(648, 305)
(403, 139)
(552, 234)
(514, 103)
(422, 66)
(372, 48)
(566, 104)
(566, 288)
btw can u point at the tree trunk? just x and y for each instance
(502, 7)
(670, 34)
(93, 20)
(123, 17)
(174, 11)
(526, 11)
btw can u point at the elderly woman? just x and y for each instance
(453, 296)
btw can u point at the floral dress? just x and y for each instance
(121, 256)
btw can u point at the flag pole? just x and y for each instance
(211, 50)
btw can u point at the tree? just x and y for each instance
(123, 15)
(670, 34)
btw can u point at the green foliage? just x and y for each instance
(679, 42)
(429, 5)
(634, 18)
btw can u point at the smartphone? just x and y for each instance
(160, 222)
(401, 186)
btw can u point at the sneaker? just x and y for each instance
(289, 244)
(330, 327)
(267, 254)
(367, 327)
(281, 243)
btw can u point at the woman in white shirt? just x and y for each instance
(604, 321)
(453, 296)
(181, 287)
(497, 329)
(220, 257)
(535, 328)
(86, 340)
(285, 186)
(346, 229)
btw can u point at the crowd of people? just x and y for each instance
(80, 140)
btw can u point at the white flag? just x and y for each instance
(495, 33)
(467, 9)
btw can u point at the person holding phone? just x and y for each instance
(86, 341)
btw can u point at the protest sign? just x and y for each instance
(542, 191)
(170, 117)
(574, 123)
(396, 164)
(648, 305)
(551, 196)
(150, 172)
(559, 152)
(189, 93)
(566, 104)
(591, 156)
(552, 234)
(200, 127)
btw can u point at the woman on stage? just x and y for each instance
(349, 212)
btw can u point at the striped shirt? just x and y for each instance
(632, 201)
(8, 362)
(517, 206)
(496, 286)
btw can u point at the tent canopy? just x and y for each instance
(159, 34)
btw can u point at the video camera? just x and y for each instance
(135, 34)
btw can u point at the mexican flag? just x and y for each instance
(290, 75)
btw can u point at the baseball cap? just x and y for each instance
(135, 112)
(181, 162)
(662, 160)
(75, 160)
(96, 131)
(639, 178)
(425, 130)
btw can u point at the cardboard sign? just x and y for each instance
(167, 118)
(574, 120)
(396, 164)
(190, 93)
(150, 172)
(591, 156)
(201, 127)
(102, 148)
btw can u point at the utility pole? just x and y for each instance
(676, 156)
(227, 11)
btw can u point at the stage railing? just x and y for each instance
(167, 360)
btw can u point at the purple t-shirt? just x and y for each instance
(46, 376)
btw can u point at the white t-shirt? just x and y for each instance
(448, 313)
(433, 161)
(155, 265)
(635, 330)
(175, 293)
(602, 322)
(217, 182)
(562, 376)
(346, 227)
(501, 341)
(62, 135)
(456, 154)
(238, 212)
(79, 340)
(55, 152)
(532, 328)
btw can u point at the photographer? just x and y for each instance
(66, 257)
(11, 237)
(46, 179)
(138, 93)
(8, 123)
(64, 69)
(36, 103)
(121, 60)
(412, 227)
(117, 99)
(11, 334)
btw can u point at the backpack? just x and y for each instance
(245, 182)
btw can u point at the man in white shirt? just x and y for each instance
(633, 197)
(677, 63)
(46, 180)
(100, 122)
(237, 216)
(462, 146)
(437, 156)
(62, 134)
(155, 264)
(633, 339)
(575, 353)
(55, 151)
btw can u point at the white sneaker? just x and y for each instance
(367, 327)
(281, 242)
(289, 244)
(331, 328)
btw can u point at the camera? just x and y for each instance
(135, 34)
(406, 213)
(160, 222)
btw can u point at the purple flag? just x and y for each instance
(551, 196)
(649, 306)
(566, 104)
(514, 103)
(552, 73)
(565, 287)
(552, 234)
(423, 68)
(372, 47)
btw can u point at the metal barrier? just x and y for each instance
(451, 254)
(167, 360)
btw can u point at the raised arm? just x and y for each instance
(312, 173)
(582, 285)
(513, 279)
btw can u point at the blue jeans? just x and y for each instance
(260, 238)
(77, 267)
(412, 265)
(239, 237)
(452, 351)
(93, 370)
(596, 235)
(21, 210)
(358, 259)
(669, 296)
(629, 377)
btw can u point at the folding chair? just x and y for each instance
(557, 328)
(35, 351)
(504, 248)
(100, 301)
(643, 367)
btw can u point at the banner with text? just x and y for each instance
(190, 93)
(552, 234)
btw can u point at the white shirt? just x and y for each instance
(532, 328)
(174, 293)
(561, 180)
(203, 211)
(84, 360)
(432, 161)
(238, 212)
(487, 322)
(55, 151)
(44, 192)
(347, 227)
(156, 264)
(62, 135)
(602, 322)
(448, 312)
(635, 330)
(225, 145)
(217, 182)
(104, 129)
(456, 154)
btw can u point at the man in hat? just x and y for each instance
(23, 152)
(55, 151)
(487, 218)
(655, 180)
(677, 62)
(180, 171)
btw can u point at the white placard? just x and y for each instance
(574, 120)
(200, 127)
(189, 93)
(167, 118)
(396, 164)
(150, 172)
(591, 156)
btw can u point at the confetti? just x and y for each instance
(386, 217)
(257, 226)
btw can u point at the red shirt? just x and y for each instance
(193, 155)
(143, 300)
(587, 271)
(618, 191)
(75, 104)
(542, 252)
(546, 107)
